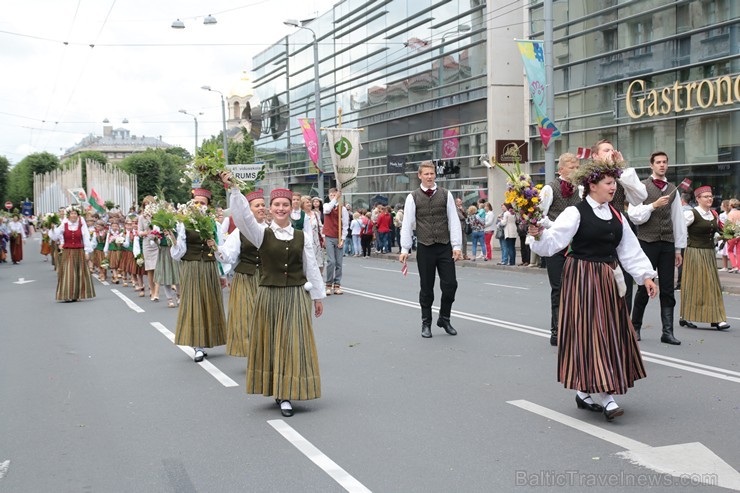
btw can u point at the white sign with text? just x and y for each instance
(245, 172)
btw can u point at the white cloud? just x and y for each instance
(52, 95)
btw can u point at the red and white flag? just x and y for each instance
(685, 184)
(405, 269)
(583, 153)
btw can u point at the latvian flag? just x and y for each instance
(583, 153)
(685, 185)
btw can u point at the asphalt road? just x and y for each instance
(95, 398)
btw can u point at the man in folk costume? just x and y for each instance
(556, 196)
(297, 216)
(432, 212)
(334, 241)
(662, 234)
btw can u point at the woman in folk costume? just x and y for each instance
(201, 322)
(150, 248)
(45, 243)
(282, 361)
(140, 273)
(74, 281)
(167, 271)
(701, 292)
(238, 251)
(17, 238)
(113, 243)
(598, 353)
(98, 255)
(127, 265)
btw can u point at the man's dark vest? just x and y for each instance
(559, 203)
(431, 217)
(659, 227)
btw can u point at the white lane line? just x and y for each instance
(222, 377)
(104, 283)
(316, 456)
(506, 286)
(128, 302)
(680, 364)
(4, 468)
(389, 270)
(611, 437)
(734, 318)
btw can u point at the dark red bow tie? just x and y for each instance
(659, 183)
(567, 189)
(429, 192)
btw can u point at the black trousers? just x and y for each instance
(662, 255)
(526, 251)
(433, 259)
(555, 266)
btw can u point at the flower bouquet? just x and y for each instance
(522, 194)
(140, 260)
(165, 218)
(209, 163)
(104, 264)
(120, 240)
(51, 220)
(195, 217)
(730, 230)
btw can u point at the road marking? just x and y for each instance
(128, 302)
(389, 270)
(104, 283)
(316, 456)
(4, 468)
(734, 318)
(692, 460)
(689, 366)
(22, 280)
(506, 286)
(222, 377)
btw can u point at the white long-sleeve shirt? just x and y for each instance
(17, 227)
(565, 227)
(640, 214)
(689, 215)
(255, 232)
(409, 222)
(228, 252)
(329, 206)
(59, 233)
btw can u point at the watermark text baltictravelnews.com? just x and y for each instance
(577, 478)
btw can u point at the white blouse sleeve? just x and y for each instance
(634, 190)
(86, 242)
(228, 251)
(632, 258)
(689, 216)
(58, 234)
(680, 233)
(137, 246)
(640, 213)
(408, 224)
(545, 199)
(310, 267)
(107, 242)
(244, 219)
(559, 235)
(177, 251)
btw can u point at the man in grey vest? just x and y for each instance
(662, 234)
(431, 210)
(556, 196)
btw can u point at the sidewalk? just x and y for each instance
(730, 282)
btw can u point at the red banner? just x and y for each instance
(311, 139)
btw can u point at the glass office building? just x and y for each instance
(411, 73)
(649, 75)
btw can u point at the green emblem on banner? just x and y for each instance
(343, 148)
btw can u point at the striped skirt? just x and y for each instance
(701, 292)
(114, 259)
(16, 248)
(167, 271)
(127, 263)
(200, 320)
(45, 248)
(597, 345)
(74, 281)
(282, 361)
(54, 254)
(241, 312)
(97, 257)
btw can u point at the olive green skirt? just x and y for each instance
(241, 312)
(200, 319)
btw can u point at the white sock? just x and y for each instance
(285, 405)
(607, 401)
(585, 397)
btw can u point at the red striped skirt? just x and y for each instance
(597, 344)
(16, 248)
(114, 259)
(127, 262)
(97, 257)
(74, 281)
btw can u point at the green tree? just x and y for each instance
(20, 179)
(180, 152)
(4, 172)
(241, 150)
(158, 171)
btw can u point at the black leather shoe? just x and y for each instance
(668, 338)
(286, 412)
(721, 326)
(637, 332)
(597, 408)
(686, 323)
(613, 413)
(199, 355)
(426, 330)
(553, 340)
(445, 324)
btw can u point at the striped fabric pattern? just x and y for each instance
(167, 271)
(16, 248)
(282, 361)
(73, 280)
(597, 345)
(200, 320)
(127, 262)
(241, 311)
(97, 257)
(701, 292)
(114, 259)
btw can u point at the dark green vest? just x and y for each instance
(701, 231)
(298, 223)
(282, 260)
(249, 257)
(197, 248)
(100, 245)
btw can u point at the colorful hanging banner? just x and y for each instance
(534, 65)
(95, 201)
(311, 139)
(344, 147)
(450, 142)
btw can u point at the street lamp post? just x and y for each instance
(223, 121)
(195, 118)
(317, 99)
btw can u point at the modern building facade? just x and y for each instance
(648, 75)
(416, 75)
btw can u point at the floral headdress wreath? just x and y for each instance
(595, 171)
(73, 208)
